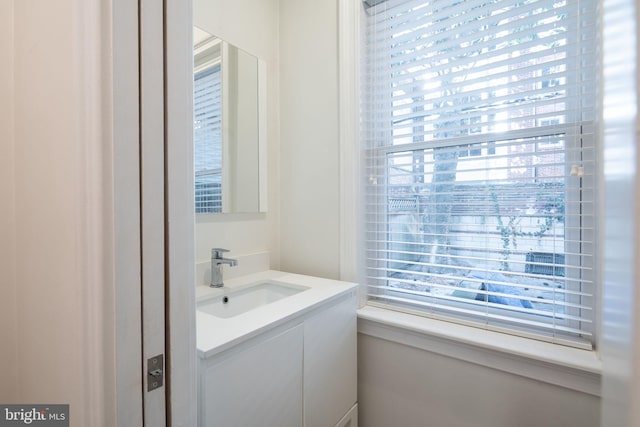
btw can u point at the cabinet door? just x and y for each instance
(257, 386)
(330, 371)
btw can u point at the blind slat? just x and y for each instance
(478, 141)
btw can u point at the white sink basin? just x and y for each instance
(247, 298)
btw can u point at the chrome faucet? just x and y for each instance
(216, 266)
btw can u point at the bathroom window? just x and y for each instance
(207, 127)
(478, 140)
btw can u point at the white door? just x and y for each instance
(154, 212)
(154, 217)
(167, 212)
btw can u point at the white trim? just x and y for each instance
(348, 54)
(620, 213)
(126, 208)
(227, 176)
(98, 299)
(567, 367)
(181, 343)
(263, 151)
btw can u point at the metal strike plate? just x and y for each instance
(155, 372)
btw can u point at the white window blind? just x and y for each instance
(478, 137)
(208, 128)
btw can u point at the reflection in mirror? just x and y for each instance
(207, 132)
(228, 131)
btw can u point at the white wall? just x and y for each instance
(251, 25)
(298, 41)
(310, 163)
(55, 260)
(404, 386)
(8, 309)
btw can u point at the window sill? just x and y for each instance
(567, 367)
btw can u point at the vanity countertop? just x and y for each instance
(215, 334)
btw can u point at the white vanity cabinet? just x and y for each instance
(300, 373)
(257, 384)
(330, 371)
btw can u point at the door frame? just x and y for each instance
(180, 214)
(126, 210)
(175, 177)
(153, 206)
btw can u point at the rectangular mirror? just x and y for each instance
(229, 128)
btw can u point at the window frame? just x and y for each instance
(397, 298)
(482, 140)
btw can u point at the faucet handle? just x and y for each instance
(217, 252)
